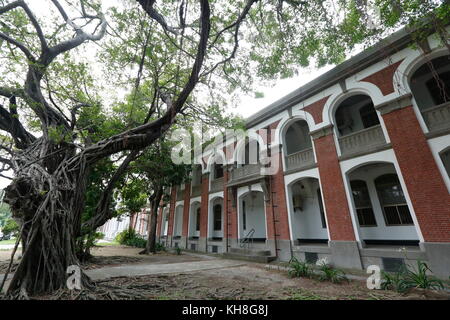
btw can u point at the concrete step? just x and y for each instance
(250, 252)
(252, 258)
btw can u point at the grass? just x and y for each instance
(106, 244)
(11, 241)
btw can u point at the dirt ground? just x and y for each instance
(247, 282)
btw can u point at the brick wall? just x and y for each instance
(159, 222)
(204, 206)
(335, 199)
(173, 199)
(425, 184)
(186, 209)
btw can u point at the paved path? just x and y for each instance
(133, 270)
(152, 269)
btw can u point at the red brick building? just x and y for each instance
(363, 156)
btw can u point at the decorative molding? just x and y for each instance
(322, 132)
(395, 104)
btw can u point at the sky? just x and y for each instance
(248, 103)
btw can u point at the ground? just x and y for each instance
(226, 280)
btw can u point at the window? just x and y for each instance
(322, 211)
(363, 206)
(297, 137)
(439, 88)
(244, 216)
(217, 211)
(251, 152)
(197, 220)
(369, 116)
(445, 157)
(218, 171)
(392, 199)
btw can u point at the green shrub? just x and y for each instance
(160, 247)
(178, 250)
(405, 279)
(393, 281)
(299, 268)
(130, 238)
(328, 273)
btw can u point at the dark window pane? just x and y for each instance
(369, 116)
(366, 217)
(391, 214)
(217, 217)
(360, 194)
(197, 226)
(218, 171)
(405, 216)
(445, 157)
(322, 211)
(439, 88)
(244, 216)
(389, 190)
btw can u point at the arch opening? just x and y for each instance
(379, 206)
(430, 86)
(307, 212)
(299, 152)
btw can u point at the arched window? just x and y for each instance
(430, 84)
(197, 220)
(393, 202)
(297, 137)
(217, 213)
(355, 114)
(363, 206)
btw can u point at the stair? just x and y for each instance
(261, 256)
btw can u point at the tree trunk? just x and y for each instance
(48, 204)
(153, 218)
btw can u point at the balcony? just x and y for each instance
(364, 141)
(437, 118)
(244, 174)
(217, 184)
(300, 160)
(196, 190)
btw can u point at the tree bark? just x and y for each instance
(153, 218)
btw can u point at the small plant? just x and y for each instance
(393, 281)
(160, 247)
(421, 279)
(178, 250)
(406, 279)
(328, 273)
(299, 268)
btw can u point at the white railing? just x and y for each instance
(246, 171)
(362, 141)
(437, 117)
(299, 160)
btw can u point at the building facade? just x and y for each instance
(363, 174)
